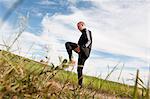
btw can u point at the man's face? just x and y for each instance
(80, 26)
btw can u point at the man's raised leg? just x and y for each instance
(69, 47)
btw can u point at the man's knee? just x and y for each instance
(67, 44)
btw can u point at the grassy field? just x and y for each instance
(24, 78)
(93, 83)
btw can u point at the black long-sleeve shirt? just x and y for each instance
(85, 42)
(85, 39)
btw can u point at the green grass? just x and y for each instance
(20, 75)
(93, 83)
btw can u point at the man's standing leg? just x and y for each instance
(81, 61)
(69, 47)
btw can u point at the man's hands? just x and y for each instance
(77, 49)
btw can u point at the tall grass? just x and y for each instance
(135, 93)
(139, 84)
(22, 77)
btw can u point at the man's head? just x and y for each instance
(81, 25)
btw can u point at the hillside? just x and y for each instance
(24, 78)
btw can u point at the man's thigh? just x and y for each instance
(72, 45)
(81, 60)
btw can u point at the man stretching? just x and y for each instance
(83, 48)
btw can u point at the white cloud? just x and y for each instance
(5, 31)
(46, 2)
(28, 45)
(121, 31)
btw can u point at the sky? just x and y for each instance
(120, 31)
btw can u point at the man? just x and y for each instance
(83, 48)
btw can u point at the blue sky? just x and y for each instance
(120, 30)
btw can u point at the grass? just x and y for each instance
(24, 78)
(99, 85)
